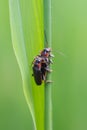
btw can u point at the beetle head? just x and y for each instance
(46, 52)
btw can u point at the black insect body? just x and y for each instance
(37, 71)
(41, 65)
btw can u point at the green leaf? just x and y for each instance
(25, 49)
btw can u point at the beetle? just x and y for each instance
(41, 65)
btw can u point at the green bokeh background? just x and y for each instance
(69, 92)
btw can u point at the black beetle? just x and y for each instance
(41, 65)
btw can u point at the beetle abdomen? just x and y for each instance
(37, 75)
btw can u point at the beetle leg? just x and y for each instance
(51, 55)
(49, 81)
(43, 77)
(47, 69)
(51, 61)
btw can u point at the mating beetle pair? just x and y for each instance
(41, 65)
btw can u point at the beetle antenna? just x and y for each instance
(60, 53)
(45, 38)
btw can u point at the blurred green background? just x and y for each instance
(69, 92)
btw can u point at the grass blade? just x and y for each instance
(24, 53)
(48, 87)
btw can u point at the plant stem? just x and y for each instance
(48, 87)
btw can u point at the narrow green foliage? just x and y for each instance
(19, 49)
(25, 50)
(48, 43)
